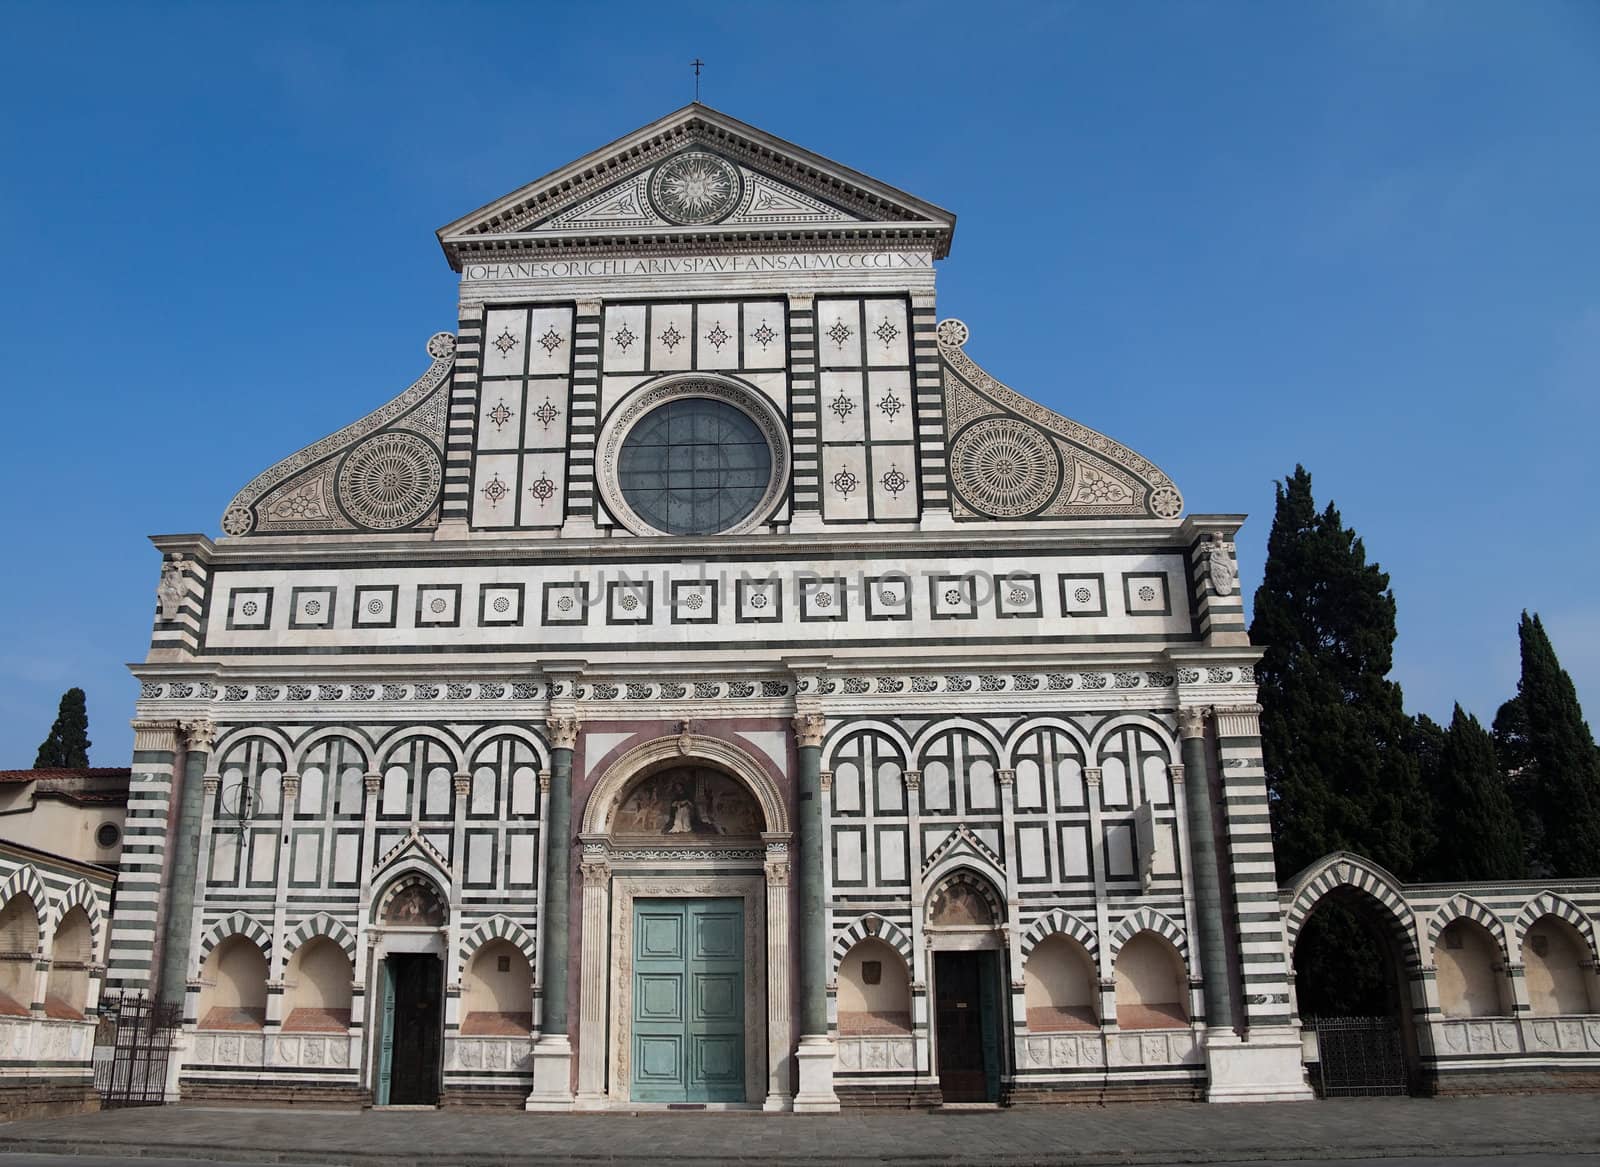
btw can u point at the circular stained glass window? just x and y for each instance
(694, 466)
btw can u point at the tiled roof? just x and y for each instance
(65, 772)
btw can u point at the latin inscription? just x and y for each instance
(698, 265)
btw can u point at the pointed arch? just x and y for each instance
(844, 731)
(1154, 725)
(970, 867)
(325, 926)
(360, 740)
(1346, 869)
(26, 881)
(497, 928)
(1551, 903)
(1148, 920)
(1463, 907)
(406, 870)
(238, 924)
(1033, 725)
(81, 895)
(387, 745)
(872, 927)
(1060, 923)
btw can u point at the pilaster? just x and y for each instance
(816, 1049)
(583, 423)
(135, 926)
(552, 1055)
(805, 412)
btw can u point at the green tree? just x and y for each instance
(1548, 757)
(68, 743)
(1341, 773)
(1477, 835)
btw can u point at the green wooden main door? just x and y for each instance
(688, 1001)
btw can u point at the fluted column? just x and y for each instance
(815, 1054)
(552, 1055)
(593, 974)
(779, 1005)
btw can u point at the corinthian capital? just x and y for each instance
(563, 732)
(1192, 721)
(809, 729)
(200, 734)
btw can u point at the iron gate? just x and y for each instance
(1360, 1056)
(132, 1043)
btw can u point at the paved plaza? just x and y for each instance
(1540, 1127)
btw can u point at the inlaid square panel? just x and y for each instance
(500, 605)
(766, 341)
(505, 342)
(717, 336)
(716, 996)
(1083, 594)
(758, 601)
(375, 606)
(887, 339)
(544, 422)
(671, 336)
(438, 605)
(717, 935)
(1145, 594)
(694, 601)
(1016, 595)
(658, 997)
(846, 484)
(623, 338)
(549, 340)
(566, 603)
(822, 599)
(888, 597)
(628, 602)
(660, 936)
(719, 1059)
(311, 607)
(656, 1059)
(249, 608)
(843, 405)
(953, 597)
(839, 334)
(499, 415)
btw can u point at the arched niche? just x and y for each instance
(413, 901)
(1151, 984)
(317, 988)
(1559, 978)
(963, 910)
(691, 750)
(687, 802)
(1470, 972)
(19, 948)
(233, 986)
(497, 992)
(874, 991)
(71, 952)
(1060, 987)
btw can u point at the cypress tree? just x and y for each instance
(1336, 739)
(68, 743)
(1548, 755)
(1477, 834)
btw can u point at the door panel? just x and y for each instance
(415, 1025)
(688, 1001)
(968, 1018)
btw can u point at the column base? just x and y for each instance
(815, 1059)
(937, 520)
(552, 1074)
(806, 522)
(452, 529)
(1266, 1068)
(777, 1104)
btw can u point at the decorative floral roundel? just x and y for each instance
(1004, 467)
(695, 188)
(390, 481)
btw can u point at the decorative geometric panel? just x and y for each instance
(822, 599)
(375, 606)
(1083, 595)
(390, 481)
(953, 597)
(1016, 594)
(566, 603)
(438, 605)
(1146, 594)
(888, 597)
(694, 601)
(759, 601)
(1004, 467)
(500, 604)
(249, 608)
(628, 602)
(311, 607)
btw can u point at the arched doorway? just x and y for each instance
(409, 946)
(1356, 979)
(966, 949)
(684, 995)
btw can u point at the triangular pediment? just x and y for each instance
(697, 174)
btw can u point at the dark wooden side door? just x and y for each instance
(418, 1029)
(968, 1026)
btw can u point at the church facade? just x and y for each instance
(707, 685)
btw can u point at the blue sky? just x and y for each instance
(1234, 236)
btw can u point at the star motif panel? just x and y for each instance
(524, 400)
(868, 430)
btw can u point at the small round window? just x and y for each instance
(694, 466)
(108, 835)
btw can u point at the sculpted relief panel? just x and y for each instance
(688, 802)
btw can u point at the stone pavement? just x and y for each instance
(1078, 1135)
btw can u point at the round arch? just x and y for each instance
(355, 737)
(232, 739)
(662, 752)
(490, 733)
(934, 730)
(1464, 907)
(399, 737)
(840, 734)
(1033, 725)
(1163, 733)
(1347, 870)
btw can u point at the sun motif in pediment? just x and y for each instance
(695, 188)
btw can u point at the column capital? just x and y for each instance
(589, 307)
(809, 730)
(1192, 721)
(291, 786)
(211, 783)
(825, 779)
(462, 785)
(1007, 777)
(1177, 770)
(1091, 775)
(199, 734)
(372, 781)
(803, 301)
(1238, 720)
(154, 734)
(544, 782)
(912, 779)
(595, 872)
(563, 732)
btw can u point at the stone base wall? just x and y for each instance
(46, 1097)
(1511, 1080)
(882, 1096)
(485, 1097)
(1100, 1093)
(273, 1094)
